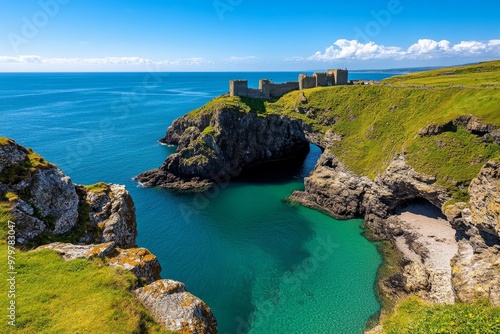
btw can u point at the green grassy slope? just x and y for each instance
(377, 122)
(413, 316)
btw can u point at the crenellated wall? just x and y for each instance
(267, 89)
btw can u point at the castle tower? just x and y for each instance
(238, 87)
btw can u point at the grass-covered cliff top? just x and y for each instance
(379, 121)
(79, 296)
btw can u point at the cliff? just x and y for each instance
(221, 143)
(96, 223)
(416, 157)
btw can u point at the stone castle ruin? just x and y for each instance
(268, 89)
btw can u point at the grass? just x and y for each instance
(485, 74)
(413, 316)
(380, 121)
(99, 187)
(391, 264)
(82, 228)
(80, 296)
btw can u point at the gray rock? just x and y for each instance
(140, 261)
(176, 309)
(53, 194)
(236, 141)
(113, 211)
(71, 252)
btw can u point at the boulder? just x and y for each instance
(176, 309)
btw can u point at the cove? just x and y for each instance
(262, 265)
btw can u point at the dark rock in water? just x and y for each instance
(222, 144)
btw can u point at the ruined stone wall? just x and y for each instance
(268, 89)
(277, 90)
(339, 76)
(306, 81)
(238, 87)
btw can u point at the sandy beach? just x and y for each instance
(433, 232)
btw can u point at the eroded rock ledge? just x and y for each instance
(101, 219)
(472, 265)
(223, 143)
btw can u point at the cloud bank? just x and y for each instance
(344, 49)
(31, 59)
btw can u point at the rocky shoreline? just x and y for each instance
(220, 145)
(101, 220)
(445, 259)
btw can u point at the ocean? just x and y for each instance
(262, 265)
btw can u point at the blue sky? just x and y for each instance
(244, 35)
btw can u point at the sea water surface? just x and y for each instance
(262, 265)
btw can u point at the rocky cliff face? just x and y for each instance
(462, 266)
(476, 268)
(220, 145)
(112, 210)
(42, 197)
(45, 202)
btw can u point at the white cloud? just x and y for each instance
(31, 59)
(235, 59)
(423, 49)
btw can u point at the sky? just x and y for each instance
(244, 35)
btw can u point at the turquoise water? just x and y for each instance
(262, 265)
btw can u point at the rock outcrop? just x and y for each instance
(44, 201)
(177, 309)
(222, 144)
(437, 269)
(472, 124)
(334, 189)
(113, 211)
(476, 268)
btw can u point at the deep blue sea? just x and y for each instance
(262, 265)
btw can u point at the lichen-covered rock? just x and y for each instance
(140, 261)
(176, 309)
(113, 210)
(476, 274)
(52, 194)
(11, 155)
(334, 189)
(221, 144)
(43, 199)
(483, 211)
(70, 252)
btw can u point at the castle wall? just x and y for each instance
(268, 89)
(238, 87)
(321, 79)
(255, 94)
(281, 89)
(306, 81)
(339, 76)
